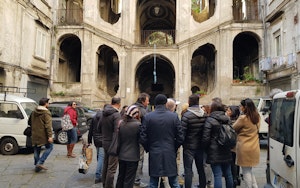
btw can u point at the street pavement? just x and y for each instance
(17, 171)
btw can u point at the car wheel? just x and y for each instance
(89, 122)
(62, 137)
(9, 146)
(264, 135)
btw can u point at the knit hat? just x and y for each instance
(160, 99)
(132, 111)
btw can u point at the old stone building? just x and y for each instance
(91, 50)
(282, 44)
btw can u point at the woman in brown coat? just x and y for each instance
(247, 148)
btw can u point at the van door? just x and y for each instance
(284, 141)
(12, 125)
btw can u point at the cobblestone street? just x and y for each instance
(17, 171)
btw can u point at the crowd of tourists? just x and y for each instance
(167, 136)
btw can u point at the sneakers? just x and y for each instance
(140, 184)
(143, 185)
(98, 180)
(40, 167)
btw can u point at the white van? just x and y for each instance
(284, 140)
(263, 105)
(14, 113)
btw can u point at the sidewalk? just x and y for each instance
(17, 171)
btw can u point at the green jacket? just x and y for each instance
(41, 124)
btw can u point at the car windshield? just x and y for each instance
(29, 107)
(56, 111)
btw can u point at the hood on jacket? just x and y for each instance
(40, 110)
(108, 110)
(220, 116)
(196, 110)
(68, 108)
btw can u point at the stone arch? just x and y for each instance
(203, 69)
(156, 21)
(165, 76)
(246, 57)
(107, 70)
(69, 65)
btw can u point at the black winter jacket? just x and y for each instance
(142, 109)
(129, 135)
(215, 152)
(193, 121)
(95, 131)
(110, 120)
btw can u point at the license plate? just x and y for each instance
(83, 123)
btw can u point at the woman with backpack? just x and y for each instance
(247, 147)
(218, 156)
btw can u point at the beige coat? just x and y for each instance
(247, 147)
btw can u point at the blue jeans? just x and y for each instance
(72, 136)
(100, 157)
(173, 181)
(37, 152)
(188, 157)
(219, 169)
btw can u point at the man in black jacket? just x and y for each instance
(193, 121)
(110, 120)
(142, 103)
(95, 133)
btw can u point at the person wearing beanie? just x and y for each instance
(161, 131)
(129, 153)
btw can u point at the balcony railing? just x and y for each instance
(273, 63)
(69, 16)
(158, 37)
(245, 12)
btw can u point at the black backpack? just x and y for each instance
(227, 136)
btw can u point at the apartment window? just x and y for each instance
(277, 41)
(40, 44)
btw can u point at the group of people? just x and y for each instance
(161, 133)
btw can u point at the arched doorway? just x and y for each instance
(246, 57)
(108, 70)
(69, 67)
(163, 82)
(203, 69)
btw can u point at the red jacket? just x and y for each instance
(72, 113)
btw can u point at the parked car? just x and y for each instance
(14, 113)
(89, 113)
(57, 111)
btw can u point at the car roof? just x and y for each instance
(14, 98)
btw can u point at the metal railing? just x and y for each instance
(69, 16)
(158, 37)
